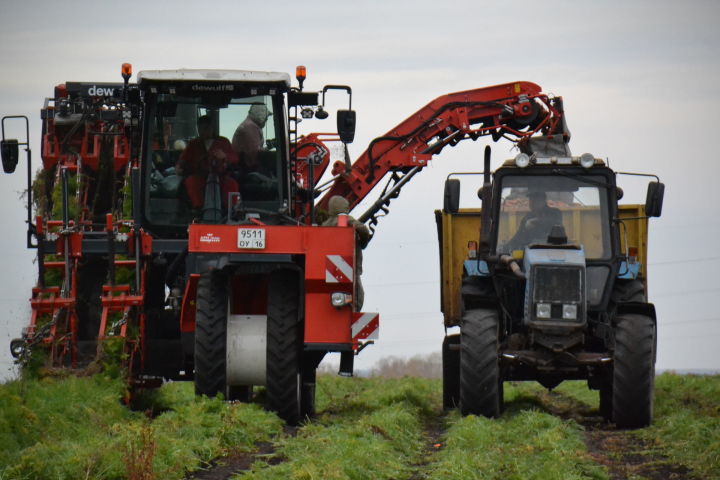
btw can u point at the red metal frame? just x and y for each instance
(445, 121)
(323, 322)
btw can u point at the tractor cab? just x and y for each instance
(214, 140)
(559, 217)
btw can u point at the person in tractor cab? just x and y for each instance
(338, 205)
(536, 225)
(255, 171)
(209, 153)
(248, 140)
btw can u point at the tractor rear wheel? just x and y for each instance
(451, 371)
(480, 379)
(633, 371)
(284, 348)
(626, 291)
(210, 334)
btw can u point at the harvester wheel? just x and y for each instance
(451, 371)
(210, 334)
(480, 379)
(284, 347)
(633, 371)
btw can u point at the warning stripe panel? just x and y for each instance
(365, 326)
(338, 269)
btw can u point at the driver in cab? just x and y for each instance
(536, 225)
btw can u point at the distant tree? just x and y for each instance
(424, 366)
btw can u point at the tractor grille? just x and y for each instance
(558, 285)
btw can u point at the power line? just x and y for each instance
(686, 292)
(400, 284)
(693, 260)
(695, 320)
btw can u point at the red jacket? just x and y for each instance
(196, 160)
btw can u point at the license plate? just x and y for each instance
(253, 238)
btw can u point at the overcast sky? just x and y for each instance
(641, 83)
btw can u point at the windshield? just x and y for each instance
(207, 155)
(532, 205)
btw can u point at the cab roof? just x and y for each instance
(195, 75)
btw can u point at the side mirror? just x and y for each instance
(346, 125)
(654, 200)
(451, 198)
(9, 151)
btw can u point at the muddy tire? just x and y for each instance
(211, 334)
(284, 347)
(633, 371)
(480, 379)
(451, 371)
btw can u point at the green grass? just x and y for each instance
(525, 443)
(686, 427)
(76, 428)
(687, 422)
(366, 429)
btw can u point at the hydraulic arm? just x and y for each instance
(515, 111)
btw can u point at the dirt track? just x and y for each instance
(623, 453)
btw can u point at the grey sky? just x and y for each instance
(641, 82)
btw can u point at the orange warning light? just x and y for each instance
(300, 74)
(126, 70)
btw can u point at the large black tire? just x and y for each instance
(633, 371)
(284, 347)
(211, 334)
(626, 291)
(480, 379)
(451, 371)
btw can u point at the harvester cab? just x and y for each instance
(554, 289)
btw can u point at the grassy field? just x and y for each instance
(76, 428)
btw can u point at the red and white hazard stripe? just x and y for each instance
(338, 269)
(365, 326)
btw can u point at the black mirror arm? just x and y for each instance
(31, 227)
(338, 87)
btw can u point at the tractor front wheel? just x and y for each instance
(633, 371)
(480, 379)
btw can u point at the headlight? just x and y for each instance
(522, 160)
(542, 310)
(340, 299)
(570, 312)
(587, 160)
